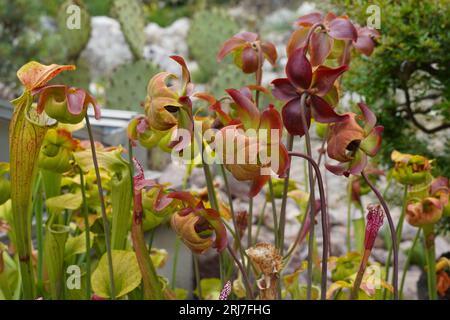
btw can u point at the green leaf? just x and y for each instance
(127, 275)
(360, 227)
(120, 182)
(9, 277)
(26, 134)
(159, 257)
(211, 288)
(70, 201)
(76, 245)
(181, 294)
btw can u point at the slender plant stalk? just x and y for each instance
(197, 278)
(399, 229)
(151, 285)
(249, 227)
(298, 239)
(150, 280)
(235, 234)
(248, 287)
(430, 251)
(175, 261)
(274, 213)
(392, 230)
(38, 206)
(324, 214)
(103, 210)
(237, 239)
(150, 240)
(88, 238)
(408, 261)
(210, 187)
(312, 199)
(260, 221)
(281, 225)
(300, 232)
(359, 275)
(214, 205)
(348, 239)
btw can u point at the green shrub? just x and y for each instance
(413, 55)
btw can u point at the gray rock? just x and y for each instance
(172, 38)
(442, 245)
(106, 48)
(173, 174)
(160, 56)
(410, 287)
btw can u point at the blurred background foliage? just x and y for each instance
(412, 58)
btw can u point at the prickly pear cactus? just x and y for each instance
(228, 76)
(75, 36)
(127, 86)
(208, 30)
(129, 14)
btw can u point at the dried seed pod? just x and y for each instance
(268, 262)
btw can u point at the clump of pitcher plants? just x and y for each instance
(95, 210)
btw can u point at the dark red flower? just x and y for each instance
(350, 142)
(319, 85)
(326, 29)
(245, 46)
(196, 224)
(374, 223)
(365, 43)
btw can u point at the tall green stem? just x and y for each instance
(150, 280)
(348, 239)
(399, 229)
(260, 221)
(312, 199)
(408, 261)
(88, 237)
(175, 261)
(237, 239)
(214, 204)
(197, 278)
(281, 225)
(430, 251)
(274, 213)
(38, 209)
(103, 209)
(248, 287)
(249, 228)
(324, 215)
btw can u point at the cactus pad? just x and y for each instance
(75, 39)
(129, 14)
(126, 88)
(208, 30)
